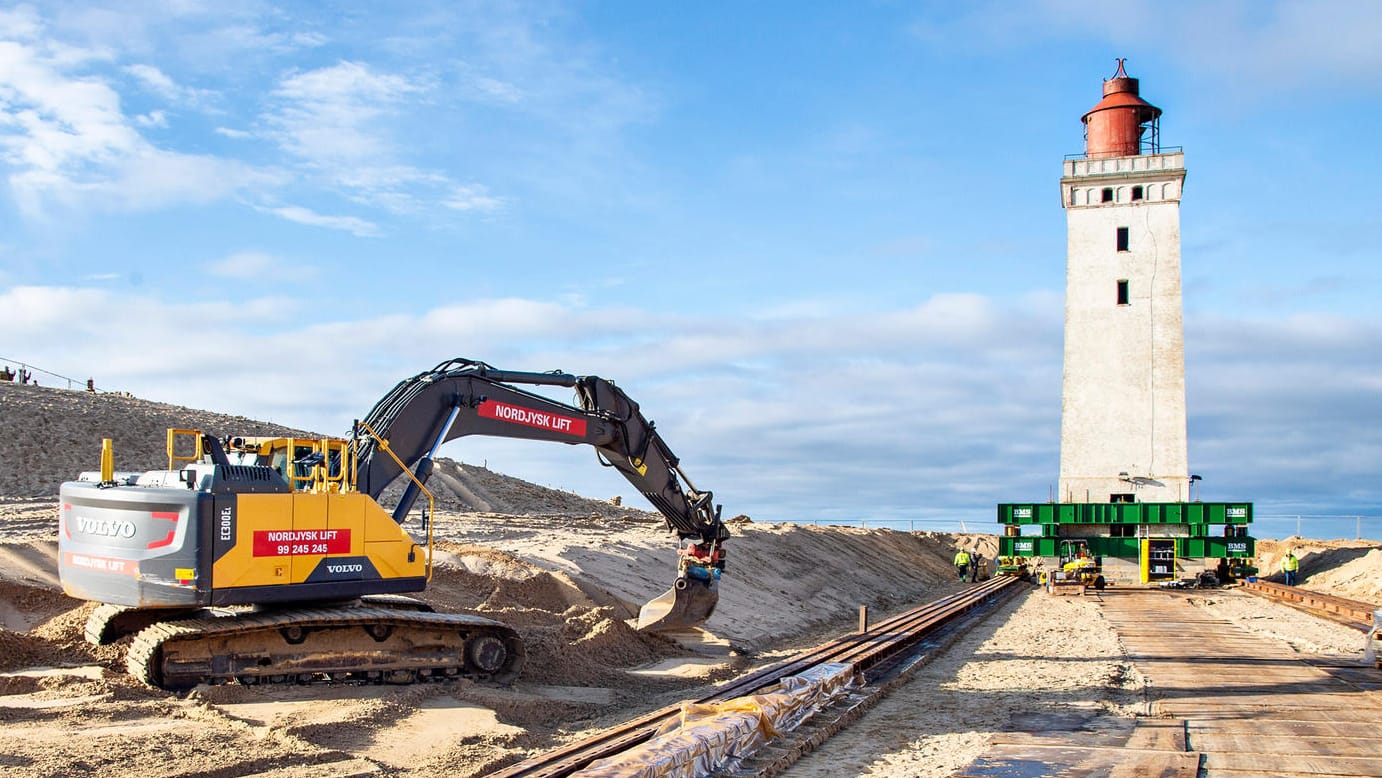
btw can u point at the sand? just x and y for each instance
(1347, 568)
(568, 583)
(1037, 653)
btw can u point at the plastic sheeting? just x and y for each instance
(714, 736)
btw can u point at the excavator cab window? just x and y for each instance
(301, 469)
(303, 465)
(296, 470)
(278, 460)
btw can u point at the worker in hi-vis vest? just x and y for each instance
(962, 563)
(1290, 565)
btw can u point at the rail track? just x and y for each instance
(869, 652)
(1353, 613)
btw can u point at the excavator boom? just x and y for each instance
(465, 397)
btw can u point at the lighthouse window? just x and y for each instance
(1122, 238)
(1137, 193)
(1123, 291)
(1107, 196)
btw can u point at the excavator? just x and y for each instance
(271, 560)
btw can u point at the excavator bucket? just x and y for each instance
(687, 604)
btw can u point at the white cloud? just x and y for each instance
(496, 90)
(1259, 46)
(20, 23)
(258, 265)
(152, 119)
(68, 144)
(1249, 48)
(935, 411)
(473, 197)
(159, 83)
(327, 116)
(233, 133)
(309, 40)
(340, 122)
(155, 80)
(351, 224)
(775, 419)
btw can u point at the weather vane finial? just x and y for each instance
(1121, 73)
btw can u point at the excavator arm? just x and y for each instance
(464, 397)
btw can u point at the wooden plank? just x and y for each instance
(1163, 764)
(1367, 715)
(1248, 706)
(1252, 706)
(1270, 728)
(1286, 745)
(1158, 735)
(1276, 764)
(1267, 703)
(1071, 761)
(1276, 774)
(1058, 739)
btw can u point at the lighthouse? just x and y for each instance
(1123, 435)
(1125, 514)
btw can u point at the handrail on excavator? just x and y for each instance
(319, 477)
(431, 501)
(174, 457)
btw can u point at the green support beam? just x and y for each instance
(1192, 513)
(1129, 548)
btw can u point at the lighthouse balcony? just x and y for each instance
(1080, 165)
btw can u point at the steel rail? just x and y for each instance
(865, 650)
(1353, 613)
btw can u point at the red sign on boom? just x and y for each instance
(493, 409)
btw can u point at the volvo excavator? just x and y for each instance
(270, 560)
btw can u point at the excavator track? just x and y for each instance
(108, 623)
(309, 645)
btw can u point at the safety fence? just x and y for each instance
(15, 368)
(1320, 526)
(906, 525)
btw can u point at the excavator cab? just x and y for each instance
(307, 464)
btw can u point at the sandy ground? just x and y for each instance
(568, 583)
(1039, 655)
(1348, 568)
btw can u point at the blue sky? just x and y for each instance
(821, 244)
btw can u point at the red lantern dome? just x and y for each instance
(1114, 127)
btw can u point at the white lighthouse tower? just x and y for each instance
(1123, 405)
